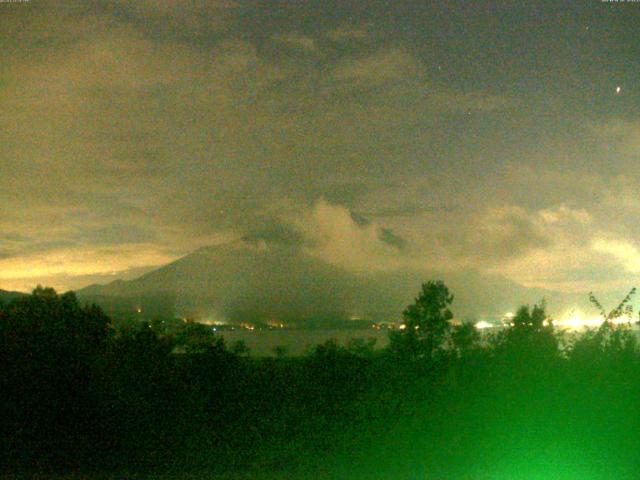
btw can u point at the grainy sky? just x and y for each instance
(496, 137)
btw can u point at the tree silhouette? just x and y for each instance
(624, 308)
(426, 323)
(530, 319)
(464, 338)
(531, 335)
(49, 345)
(609, 340)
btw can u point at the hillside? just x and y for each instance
(258, 281)
(7, 296)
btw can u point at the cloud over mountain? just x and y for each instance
(375, 139)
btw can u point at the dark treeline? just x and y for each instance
(78, 396)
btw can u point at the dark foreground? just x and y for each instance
(80, 399)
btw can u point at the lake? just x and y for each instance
(297, 342)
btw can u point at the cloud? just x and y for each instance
(624, 252)
(548, 248)
(503, 233)
(350, 33)
(276, 233)
(390, 238)
(571, 258)
(78, 263)
(445, 100)
(619, 134)
(393, 67)
(296, 42)
(337, 238)
(563, 214)
(143, 130)
(379, 68)
(177, 19)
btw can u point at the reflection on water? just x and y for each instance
(297, 342)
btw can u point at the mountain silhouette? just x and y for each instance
(254, 280)
(6, 296)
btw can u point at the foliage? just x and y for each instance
(610, 342)
(465, 338)
(531, 319)
(531, 339)
(77, 395)
(606, 342)
(50, 345)
(624, 308)
(198, 338)
(425, 324)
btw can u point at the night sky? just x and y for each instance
(500, 138)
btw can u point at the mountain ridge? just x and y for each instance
(7, 295)
(257, 281)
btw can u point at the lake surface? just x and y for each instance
(298, 342)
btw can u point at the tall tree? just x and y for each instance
(530, 335)
(426, 323)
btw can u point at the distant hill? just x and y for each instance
(244, 281)
(259, 281)
(7, 296)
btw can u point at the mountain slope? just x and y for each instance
(244, 280)
(7, 296)
(259, 281)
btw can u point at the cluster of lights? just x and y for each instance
(275, 324)
(482, 325)
(575, 320)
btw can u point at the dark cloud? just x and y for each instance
(198, 22)
(360, 220)
(277, 233)
(390, 238)
(119, 234)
